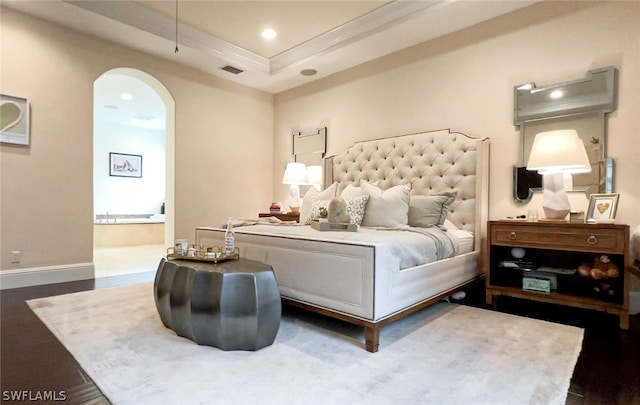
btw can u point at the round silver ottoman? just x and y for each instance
(233, 305)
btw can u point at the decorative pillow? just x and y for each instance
(388, 209)
(316, 205)
(355, 208)
(354, 191)
(307, 201)
(430, 210)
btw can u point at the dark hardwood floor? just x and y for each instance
(34, 362)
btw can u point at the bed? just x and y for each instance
(361, 277)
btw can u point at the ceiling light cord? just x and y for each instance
(176, 50)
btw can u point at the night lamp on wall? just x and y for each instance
(294, 175)
(556, 155)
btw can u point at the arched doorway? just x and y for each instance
(141, 129)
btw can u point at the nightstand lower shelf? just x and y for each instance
(561, 299)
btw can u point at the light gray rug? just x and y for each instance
(446, 354)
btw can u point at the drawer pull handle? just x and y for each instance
(592, 240)
(512, 235)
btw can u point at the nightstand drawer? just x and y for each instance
(598, 240)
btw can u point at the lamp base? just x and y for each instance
(555, 202)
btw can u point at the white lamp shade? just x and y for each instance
(558, 151)
(314, 175)
(295, 173)
(556, 155)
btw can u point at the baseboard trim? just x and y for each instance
(16, 278)
(634, 302)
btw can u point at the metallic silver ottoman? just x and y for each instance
(233, 305)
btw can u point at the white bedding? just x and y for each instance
(410, 246)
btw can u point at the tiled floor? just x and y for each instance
(127, 260)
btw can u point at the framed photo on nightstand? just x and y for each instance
(602, 208)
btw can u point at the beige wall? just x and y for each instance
(464, 81)
(223, 139)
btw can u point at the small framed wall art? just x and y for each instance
(125, 165)
(14, 120)
(602, 208)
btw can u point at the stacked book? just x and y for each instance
(274, 208)
(545, 278)
(517, 264)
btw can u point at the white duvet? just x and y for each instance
(409, 246)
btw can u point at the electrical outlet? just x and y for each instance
(16, 256)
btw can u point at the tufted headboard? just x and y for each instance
(432, 162)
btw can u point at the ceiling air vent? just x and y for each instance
(232, 69)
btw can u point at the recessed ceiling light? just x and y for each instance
(126, 96)
(308, 72)
(269, 34)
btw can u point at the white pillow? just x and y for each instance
(388, 209)
(307, 201)
(355, 208)
(355, 191)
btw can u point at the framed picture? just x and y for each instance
(602, 207)
(125, 165)
(14, 120)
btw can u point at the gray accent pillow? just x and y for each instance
(430, 210)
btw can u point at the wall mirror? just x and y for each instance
(310, 150)
(581, 105)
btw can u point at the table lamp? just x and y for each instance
(314, 176)
(294, 175)
(556, 155)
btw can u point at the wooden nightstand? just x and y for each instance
(566, 246)
(289, 216)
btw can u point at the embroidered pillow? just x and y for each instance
(316, 205)
(430, 210)
(355, 208)
(307, 201)
(387, 209)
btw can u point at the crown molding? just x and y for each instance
(377, 20)
(144, 19)
(139, 17)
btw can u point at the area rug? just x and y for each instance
(445, 354)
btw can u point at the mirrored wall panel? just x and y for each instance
(581, 105)
(310, 148)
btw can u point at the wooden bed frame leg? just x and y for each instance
(491, 299)
(624, 320)
(372, 337)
